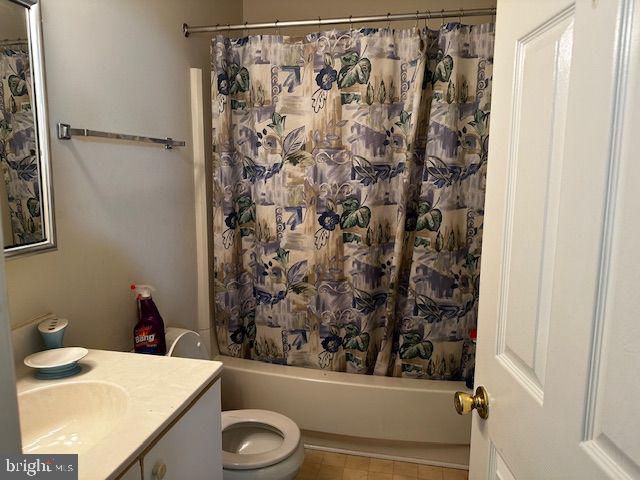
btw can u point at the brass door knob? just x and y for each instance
(159, 470)
(465, 402)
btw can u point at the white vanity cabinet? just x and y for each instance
(152, 411)
(192, 447)
(134, 472)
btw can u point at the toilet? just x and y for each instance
(260, 444)
(256, 444)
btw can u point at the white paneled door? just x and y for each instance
(559, 321)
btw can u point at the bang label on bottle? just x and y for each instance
(145, 340)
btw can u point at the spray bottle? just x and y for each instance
(148, 334)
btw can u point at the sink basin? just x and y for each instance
(70, 417)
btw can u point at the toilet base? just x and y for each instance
(284, 470)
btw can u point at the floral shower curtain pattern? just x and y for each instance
(18, 158)
(348, 197)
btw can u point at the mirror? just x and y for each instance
(26, 206)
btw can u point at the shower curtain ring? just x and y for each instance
(426, 19)
(417, 19)
(319, 22)
(442, 17)
(245, 32)
(277, 28)
(228, 30)
(388, 21)
(351, 23)
(460, 14)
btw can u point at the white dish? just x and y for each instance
(56, 357)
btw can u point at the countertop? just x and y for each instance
(158, 389)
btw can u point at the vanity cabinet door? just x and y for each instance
(132, 473)
(192, 448)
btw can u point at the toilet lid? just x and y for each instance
(245, 461)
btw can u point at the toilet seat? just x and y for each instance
(285, 426)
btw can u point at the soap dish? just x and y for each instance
(56, 363)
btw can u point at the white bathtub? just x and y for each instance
(383, 416)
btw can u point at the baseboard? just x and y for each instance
(442, 455)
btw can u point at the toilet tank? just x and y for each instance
(185, 343)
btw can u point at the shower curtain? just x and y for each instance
(18, 158)
(348, 197)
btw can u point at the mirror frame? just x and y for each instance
(39, 106)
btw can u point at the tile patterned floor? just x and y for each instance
(320, 465)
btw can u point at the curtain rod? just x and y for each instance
(389, 17)
(14, 41)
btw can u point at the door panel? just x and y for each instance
(133, 472)
(541, 84)
(498, 468)
(558, 347)
(611, 436)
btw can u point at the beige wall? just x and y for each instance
(125, 212)
(268, 11)
(10, 439)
